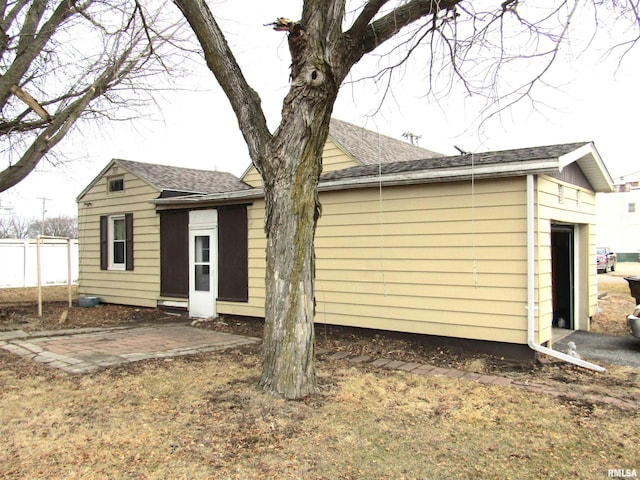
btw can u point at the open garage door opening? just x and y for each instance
(562, 275)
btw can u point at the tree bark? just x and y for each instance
(291, 175)
(288, 357)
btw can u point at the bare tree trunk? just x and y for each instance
(292, 212)
(288, 364)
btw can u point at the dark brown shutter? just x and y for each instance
(104, 242)
(174, 253)
(128, 229)
(233, 271)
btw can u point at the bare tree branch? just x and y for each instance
(63, 82)
(32, 42)
(361, 23)
(389, 25)
(220, 60)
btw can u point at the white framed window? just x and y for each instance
(117, 242)
(631, 208)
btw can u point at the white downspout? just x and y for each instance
(531, 289)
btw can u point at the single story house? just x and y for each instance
(497, 246)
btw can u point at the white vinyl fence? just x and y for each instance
(19, 263)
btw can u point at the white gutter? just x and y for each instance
(531, 290)
(442, 175)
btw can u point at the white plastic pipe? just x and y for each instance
(531, 289)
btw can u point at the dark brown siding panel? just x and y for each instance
(128, 229)
(104, 242)
(233, 271)
(174, 253)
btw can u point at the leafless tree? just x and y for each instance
(17, 226)
(21, 226)
(65, 60)
(475, 43)
(60, 226)
(6, 230)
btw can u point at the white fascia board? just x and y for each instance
(246, 171)
(590, 162)
(575, 155)
(428, 176)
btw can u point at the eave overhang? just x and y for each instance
(586, 157)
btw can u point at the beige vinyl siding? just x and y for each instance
(577, 209)
(142, 285)
(404, 260)
(252, 177)
(333, 158)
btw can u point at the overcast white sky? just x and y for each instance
(590, 100)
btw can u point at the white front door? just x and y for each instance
(203, 263)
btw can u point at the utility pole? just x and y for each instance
(5, 209)
(44, 210)
(412, 138)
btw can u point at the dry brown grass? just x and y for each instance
(614, 307)
(29, 295)
(612, 317)
(203, 418)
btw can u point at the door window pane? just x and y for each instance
(202, 278)
(202, 248)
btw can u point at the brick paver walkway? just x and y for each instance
(565, 391)
(79, 352)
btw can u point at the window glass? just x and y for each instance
(118, 252)
(116, 184)
(202, 268)
(202, 248)
(202, 278)
(118, 229)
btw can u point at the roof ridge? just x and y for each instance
(460, 161)
(182, 179)
(368, 147)
(161, 165)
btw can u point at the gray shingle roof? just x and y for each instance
(457, 161)
(185, 180)
(367, 147)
